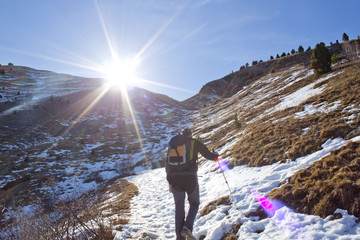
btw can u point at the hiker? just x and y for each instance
(181, 169)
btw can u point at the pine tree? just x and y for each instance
(321, 59)
(300, 49)
(292, 51)
(345, 37)
(271, 57)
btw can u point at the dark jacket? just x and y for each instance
(176, 177)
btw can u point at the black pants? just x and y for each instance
(191, 188)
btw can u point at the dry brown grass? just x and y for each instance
(328, 184)
(267, 141)
(125, 191)
(211, 206)
(232, 234)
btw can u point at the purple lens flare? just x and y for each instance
(270, 206)
(222, 164)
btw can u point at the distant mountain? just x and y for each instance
(57, 127)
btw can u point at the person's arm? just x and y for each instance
(204, 151)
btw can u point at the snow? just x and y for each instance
(153, 208)
(311, 109)
(302, 94)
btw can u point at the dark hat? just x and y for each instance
(186, 132)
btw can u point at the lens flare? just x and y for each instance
(222, 164)
(270, 206)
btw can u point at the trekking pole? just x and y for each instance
(226, 181)
(222, 171)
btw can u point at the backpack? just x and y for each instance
(179, 157)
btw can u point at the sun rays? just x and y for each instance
(119, 73)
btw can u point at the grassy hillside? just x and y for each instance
(269, 131)
(287, 115)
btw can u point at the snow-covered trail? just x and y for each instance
(153, 208)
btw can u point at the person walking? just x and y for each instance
(181, 174)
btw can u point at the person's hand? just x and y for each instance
(216, 153)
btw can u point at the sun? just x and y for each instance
(121, 73)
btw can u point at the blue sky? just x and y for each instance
(182, 44)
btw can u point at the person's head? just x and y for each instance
(187, 133)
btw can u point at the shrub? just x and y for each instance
(300, 49)
(321, 59)
(81, 217)
(236, 121)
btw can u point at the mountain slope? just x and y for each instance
(57, 128)
(288, 145)
(284, 115)
(234, 82)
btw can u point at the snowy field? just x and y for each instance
(153, 209)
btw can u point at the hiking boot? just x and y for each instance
(186, 232)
